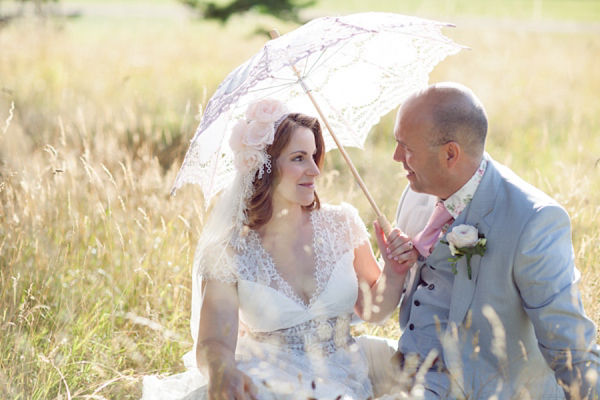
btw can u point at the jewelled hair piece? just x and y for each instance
(252, 135)
(249, 141)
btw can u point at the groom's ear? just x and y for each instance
(452, 152)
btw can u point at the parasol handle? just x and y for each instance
(383, 222)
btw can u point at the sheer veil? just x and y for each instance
(214, 255)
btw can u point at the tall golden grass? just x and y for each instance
(95, 116)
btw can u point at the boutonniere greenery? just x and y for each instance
(465, 241)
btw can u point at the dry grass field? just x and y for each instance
(95, 117)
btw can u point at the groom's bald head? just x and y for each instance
(454, 114)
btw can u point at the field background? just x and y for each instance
(95, 116)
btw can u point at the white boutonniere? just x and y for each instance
(465, 240)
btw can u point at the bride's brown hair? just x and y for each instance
(260, 205)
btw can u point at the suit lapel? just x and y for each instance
(480, 206)
(463, 288)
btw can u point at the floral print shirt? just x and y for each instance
(456, 203)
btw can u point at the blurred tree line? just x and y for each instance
(40, 8)
(287, 10)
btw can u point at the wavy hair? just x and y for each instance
(260, 205)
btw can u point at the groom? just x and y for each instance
(516, 327)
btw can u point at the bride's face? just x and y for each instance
(297, 170)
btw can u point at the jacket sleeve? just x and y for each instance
(547, 279)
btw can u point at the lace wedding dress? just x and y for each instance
(294, 350)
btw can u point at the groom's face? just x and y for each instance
(421, 160)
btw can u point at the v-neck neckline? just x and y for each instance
(284, 286)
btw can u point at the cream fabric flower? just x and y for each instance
(265, 110)
(250, 136)
(259, 135)
(237, 136)
(248, 159)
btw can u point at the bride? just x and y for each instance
(277, 277)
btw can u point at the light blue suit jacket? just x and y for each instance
(512, 326)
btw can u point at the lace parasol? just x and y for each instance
(357, 68)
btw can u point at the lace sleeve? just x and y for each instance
(358, 231)
(215, 263)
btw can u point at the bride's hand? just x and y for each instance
(231, 383)
(397, 250)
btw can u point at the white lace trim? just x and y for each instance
(269, 274)
(336, 231)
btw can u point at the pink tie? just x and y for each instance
(425, 240)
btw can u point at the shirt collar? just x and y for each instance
(456, 203)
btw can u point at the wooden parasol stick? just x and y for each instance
(383, 222)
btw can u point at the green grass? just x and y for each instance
(95, 256)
